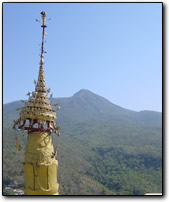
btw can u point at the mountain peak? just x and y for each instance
(83, 92)
(88, 106)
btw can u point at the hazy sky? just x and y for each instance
(111, 49)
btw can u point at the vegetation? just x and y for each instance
(103, 148)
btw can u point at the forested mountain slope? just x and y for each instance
(103, 148)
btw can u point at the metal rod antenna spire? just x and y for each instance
(43, 34)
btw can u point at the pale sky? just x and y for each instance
(111, 49)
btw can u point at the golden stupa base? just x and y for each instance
(40, 166)
(39, 192)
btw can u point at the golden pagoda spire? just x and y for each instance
(37, 109)
(41, 86)
(39, 119)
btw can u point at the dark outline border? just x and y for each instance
(163, 118)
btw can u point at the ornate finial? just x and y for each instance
(41, 86)
(38, 110)
(43, 33)
(43, 18)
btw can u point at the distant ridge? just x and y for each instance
(88, 106)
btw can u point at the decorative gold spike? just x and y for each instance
(58, 134)
(28, 93)
(51, 96)
(17, 144)
(58, 108)
(48, 91)
(54, 154)
(43, 17)
(57, 127)
(37, 20)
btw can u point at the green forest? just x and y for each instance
(104, 149)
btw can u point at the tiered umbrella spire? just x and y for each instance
(38, 111)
